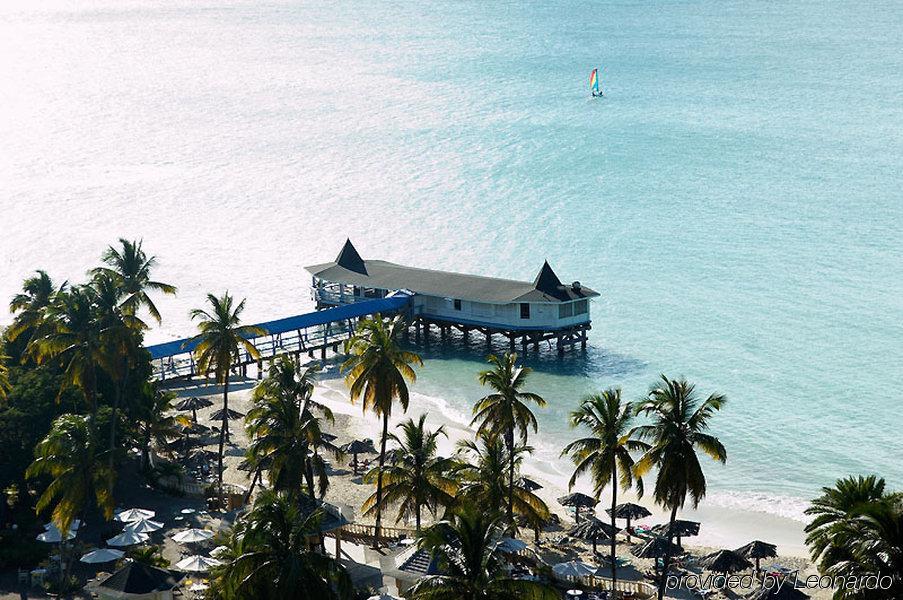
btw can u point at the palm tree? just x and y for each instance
(605, 454)
(131, 268)
(482, 472)
(283, 428)
(156, 423)
(221, 338)
(471, 565)
(415, 476)
(120, 337)
(4, 376)
(378, 371)
(71, 335)
(269, 556)
(29, 305)
(70, 454)
(505, 412)
(833, 511)
(680, 422)
(857, 533)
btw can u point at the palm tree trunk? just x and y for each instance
(614, 543)
(509, 441)
(116, 400)
(253, 483)
(417, 517)
(379, 477)
(222, 439)
(666, 563)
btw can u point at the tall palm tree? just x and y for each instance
(470, 563)
(270, 556)
(219, 343)
(283, 429)
(71, 335)
(29, 305)
(505, 412)
(156, 423)
(378, 371)
(416, 477)
(482, 472)
(679, 429)
(833, 511)
(71, 455)
(131, 267)
(120, 338)
(606, 453)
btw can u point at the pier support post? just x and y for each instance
(260, 369)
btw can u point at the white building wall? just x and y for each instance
(500, 315)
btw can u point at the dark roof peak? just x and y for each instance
(547, 281)
(351, 259)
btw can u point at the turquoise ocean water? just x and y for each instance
(736, 196)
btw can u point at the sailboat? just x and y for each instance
(594, 83)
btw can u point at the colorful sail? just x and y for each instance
(594, 81)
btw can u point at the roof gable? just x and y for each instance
(350, 258)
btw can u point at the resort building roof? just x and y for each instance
(349, 268)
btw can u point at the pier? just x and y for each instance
(312, 333)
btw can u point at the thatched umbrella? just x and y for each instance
(233, 415)
(358, 447)
(578, 500)
(193, 404)
(629, 511)
(776, 592)
(528, 484)
(757, 551)
(593, 530)
(657, 547)
(679, 529)
(724, 561)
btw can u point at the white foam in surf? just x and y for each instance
(787, 507)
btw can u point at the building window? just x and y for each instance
(581, 307)
(524, 310)
(457, 304)
(565, 310)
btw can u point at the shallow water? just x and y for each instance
(736, 196)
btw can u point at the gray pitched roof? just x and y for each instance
(138, 578)
(349, 268)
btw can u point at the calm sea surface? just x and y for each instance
(736, 196)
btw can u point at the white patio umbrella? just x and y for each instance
(385, 597)
(54, 536)
(135, 514)
(74, 526)
(197, 564)
(190, 536)
(198, 587)
(574, 568)
(144, 526)
(511, 545)
(128, 538)
(218, 551)
(102, 555)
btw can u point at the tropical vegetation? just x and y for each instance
(678, 431)
(607, 453)
(377, 372)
